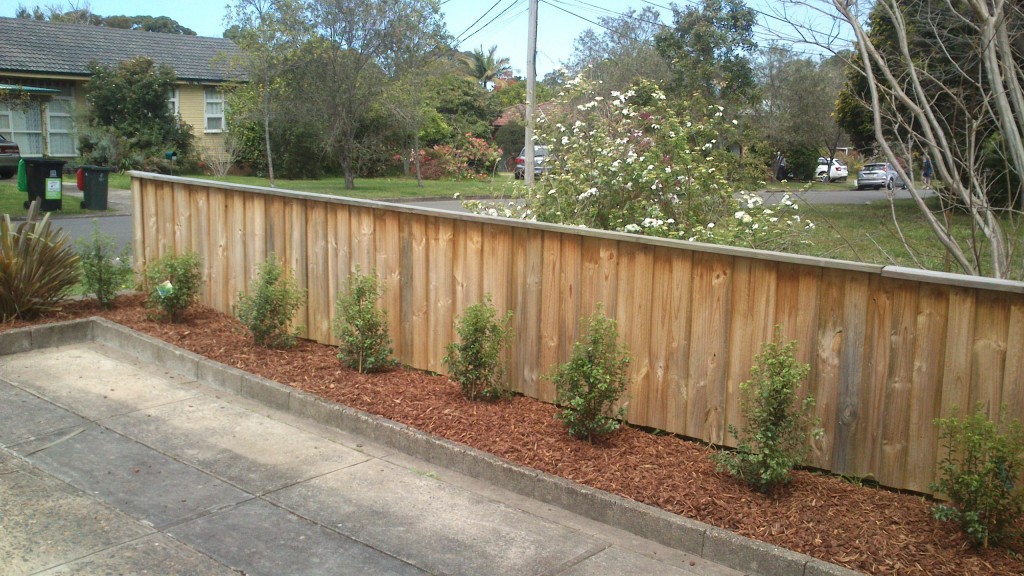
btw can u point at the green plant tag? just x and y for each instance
(53, 189)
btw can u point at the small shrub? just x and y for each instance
(979, 473)
(173, 283)
(362, 327)
(777, 424)
(592, 381)
(475, 361)
(104, 270)
(38, 267)
(274, 297)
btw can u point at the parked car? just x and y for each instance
(837, 172)
(539, 167)
(878, 175)
(10, 154)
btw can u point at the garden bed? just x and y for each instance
(868, 529)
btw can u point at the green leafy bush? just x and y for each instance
(128, 123)
(362, 327)
(639, 162)
(173, 284)
(475, 361)
(979, 474)
(274, 297)
(593, 380)
(105, 271)
(38, 267)
(777, 424)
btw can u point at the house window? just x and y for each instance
(60, 124)
(214, 110)
(172, 101)
(23, 123)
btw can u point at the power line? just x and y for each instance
(482, 16)
(760, 35)
(488, 23)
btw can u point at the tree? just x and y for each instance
(948, 81)
(513, 93)
(410, 99)
(269, 33)
(624, 52)
(485, 68)
(708, 49)
(85, 15)
(359, 45)
(464, 105)
(54, 13)
(162, 24)
(130, 123)
(797, 109)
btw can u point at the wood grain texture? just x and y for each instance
(550, 313)
(926, 387)
(637, 328)
(440, 292)
(709, 347)
(317, 271)
(139, 242)
(752, 318)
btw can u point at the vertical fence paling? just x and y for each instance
(887, 355)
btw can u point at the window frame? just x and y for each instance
(174, 99)
(11, 133)
(207, 100)
(67, 95)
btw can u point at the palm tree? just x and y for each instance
(484, 68)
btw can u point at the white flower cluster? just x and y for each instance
(649, 171)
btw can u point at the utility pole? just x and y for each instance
(531, 87)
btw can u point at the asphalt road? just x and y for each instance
(120, 227)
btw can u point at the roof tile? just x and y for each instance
(59, 48)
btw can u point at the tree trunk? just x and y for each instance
(266, 136)
(416, 158)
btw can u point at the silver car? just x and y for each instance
(540, 153)
(879, 175)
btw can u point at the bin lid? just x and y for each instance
(97, 168)
(44, 161)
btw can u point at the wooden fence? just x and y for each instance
(890, 349)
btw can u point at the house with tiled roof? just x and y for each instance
(57, 56)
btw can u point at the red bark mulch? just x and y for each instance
(864, 528)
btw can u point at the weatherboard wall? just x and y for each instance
(890, 349)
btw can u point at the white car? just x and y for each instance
(839, 172)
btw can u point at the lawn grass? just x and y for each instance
(868, 233)
(12, 201)
(384, 188)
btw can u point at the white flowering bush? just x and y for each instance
(629, 162)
